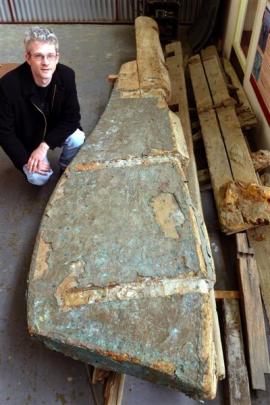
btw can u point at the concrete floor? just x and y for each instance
(30, 373)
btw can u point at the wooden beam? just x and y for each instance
(236, 146)
(259, 239)
(237, 375)
(219, 166)
(175, 64)
(253, 313)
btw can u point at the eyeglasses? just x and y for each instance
(39, 56)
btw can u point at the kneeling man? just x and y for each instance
(39, 108)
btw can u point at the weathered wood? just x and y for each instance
(219, 167)
(253, 313)
(235, 198)
(153, 74)
(237, 150)
(222, 294)
(261, 159)
(114, 388)
(175, 65)
(174, 62)
(237, 375)
(99, 375)
(252, 199)
(244, 111)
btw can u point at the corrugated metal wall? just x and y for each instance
(84, 10)
(67, 10)
(189, 10)
(5, 14)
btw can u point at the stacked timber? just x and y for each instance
(122, 274)
(242, 202)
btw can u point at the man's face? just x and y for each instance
(42, 58)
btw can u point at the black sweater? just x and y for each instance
(23, 126)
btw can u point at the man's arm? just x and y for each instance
(8, 139)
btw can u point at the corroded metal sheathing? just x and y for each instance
(121, 275)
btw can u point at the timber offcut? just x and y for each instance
(121, 274)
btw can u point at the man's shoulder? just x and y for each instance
(13, 74)
(64, 70)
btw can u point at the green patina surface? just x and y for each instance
(120, 275)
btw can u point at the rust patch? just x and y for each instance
(41, 261)
(168, 214)
(121, 358)
(83, 167)
(164, 367)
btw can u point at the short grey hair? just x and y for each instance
(40, 34)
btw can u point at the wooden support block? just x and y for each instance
(204, 176)
(221, 294)
(237, 375)
(197, 136)
(99, 375)
(112, 78)
(253, 313)
(114, 388)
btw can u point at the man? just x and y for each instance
(39, 109)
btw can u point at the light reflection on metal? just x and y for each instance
(85, 11)
(80, 11)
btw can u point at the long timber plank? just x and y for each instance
(219, 167)
(237, 374)
(238, 153)
(175, 64)
(253, 313)
(259, 239)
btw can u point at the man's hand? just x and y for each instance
(37, 163)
